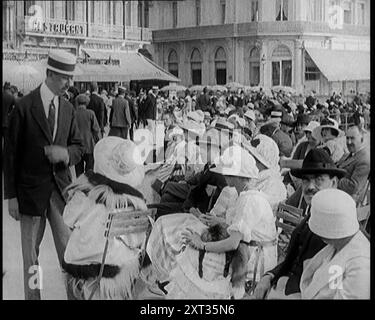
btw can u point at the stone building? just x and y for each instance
(36, 26)
(321, 45)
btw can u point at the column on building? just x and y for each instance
(204, 45)
(230, 59)
(266, 74)
(298, 71)
(262, 63)
(238, 60)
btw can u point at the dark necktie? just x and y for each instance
(51, 116)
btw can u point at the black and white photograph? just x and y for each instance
(210, 150)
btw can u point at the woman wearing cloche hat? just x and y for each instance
(111, 186)
(250, 225)
(341, 270)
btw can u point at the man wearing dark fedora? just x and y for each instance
(318, 172)
(44, 143)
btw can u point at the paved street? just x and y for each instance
(53, 286)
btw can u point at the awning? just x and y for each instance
(342, 65)
(133, 66)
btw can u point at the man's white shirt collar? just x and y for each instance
(47, 95)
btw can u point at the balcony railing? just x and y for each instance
(256, 28)
(106, 31)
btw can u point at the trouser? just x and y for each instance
(32, 231)
(87, 163)
(121, 132)
(131, 131)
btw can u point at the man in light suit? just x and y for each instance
(356, 163)
(120, 118)
(44, 141)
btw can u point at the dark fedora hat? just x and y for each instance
(318, 161)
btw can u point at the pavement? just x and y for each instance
(53, 287)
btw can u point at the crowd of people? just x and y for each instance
(230, 158)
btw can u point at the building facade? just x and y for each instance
(34, 27)
(264, 42)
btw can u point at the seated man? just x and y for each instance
(356, 163)
(318, 172)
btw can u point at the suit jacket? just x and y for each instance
(132, 109)
(88, 128)
(301, 149)
(344, 276)
(8, 104)
(120, 114)
(98, 106)
(303, 245)
(29, 175)
(203, 102)
(358, 170)
(150, 107)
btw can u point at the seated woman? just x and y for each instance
(331, 138)
(251, 229)
(269, 181)
(341, 270)
(112, 186)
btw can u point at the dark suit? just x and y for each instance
(301, 151)
(8, 104)
(37, 184)
(133, 116)
(98, 106)
(203, 102)
(90, 134)
(150, 107)
(30, 176)
(120, 118)
(358, 170)
(303, 245)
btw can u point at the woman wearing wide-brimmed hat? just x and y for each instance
(112, 185)
(269, 181)
(251, 229)
(330, 137)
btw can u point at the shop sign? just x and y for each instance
(62, 28)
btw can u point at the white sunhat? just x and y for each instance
(265, 150)
(250, 114)
(311, 126)
(327, 123)
(193, 126)
(176, 131)
(119, 160)
(197, 116)
(61, 61)
(333, 214)
(238, 162)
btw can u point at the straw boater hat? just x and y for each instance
(327, 123)
(176, 131)
(318, 161)
(237, 162)
(333, 214)
(119, 160)
(62, 62)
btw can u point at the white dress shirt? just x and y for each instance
(47, 95)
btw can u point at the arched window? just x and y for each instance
(173, 63)
(281, 66)
(221, 66)
(196, 67)
(254, 67)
